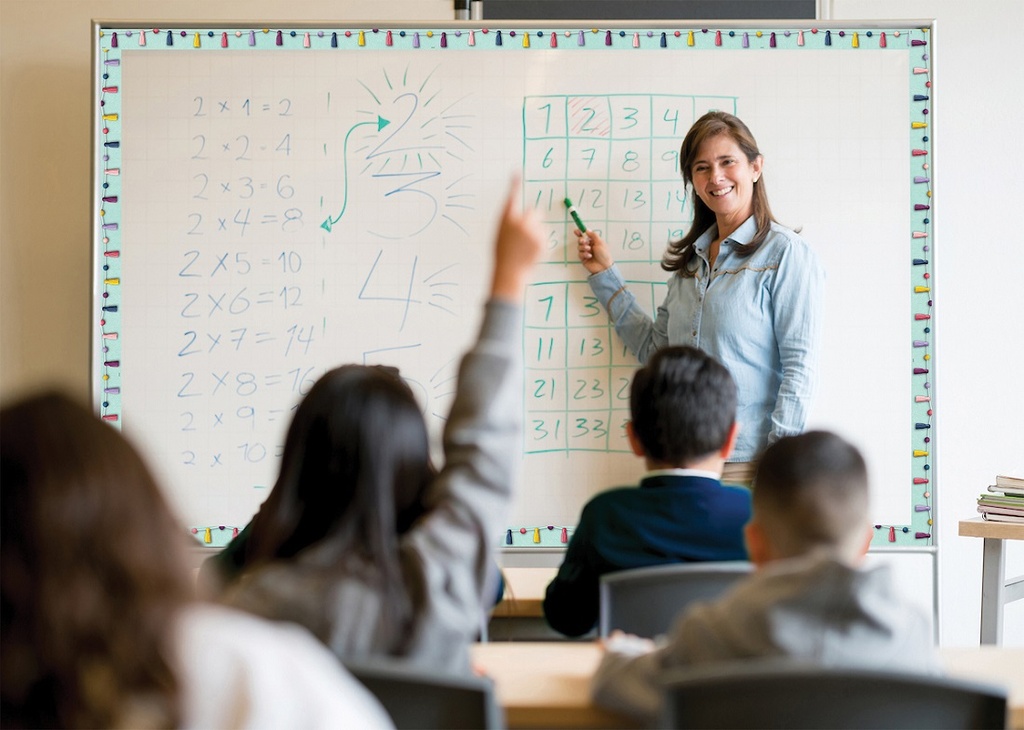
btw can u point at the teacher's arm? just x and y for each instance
(798, 308)
(642, 334)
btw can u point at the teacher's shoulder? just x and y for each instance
(786, 246)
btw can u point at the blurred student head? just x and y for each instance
(92, 573)
(810, 493)
(683, 408)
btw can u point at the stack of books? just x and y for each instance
(1004, 500)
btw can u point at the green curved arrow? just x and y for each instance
(329, 221)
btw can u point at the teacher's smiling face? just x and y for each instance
(724, 178)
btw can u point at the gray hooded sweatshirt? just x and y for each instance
(812, 608)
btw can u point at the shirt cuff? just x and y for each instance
(606, 283)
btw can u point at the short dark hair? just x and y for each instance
(810, 491)
(683, 403)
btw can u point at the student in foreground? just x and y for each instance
(100, 625)
(683, 409)
(808, 598)
(360, 540)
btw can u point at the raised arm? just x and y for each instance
(516, 250)
(469, 498)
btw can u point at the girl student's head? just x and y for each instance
(92, 573)
(354, 471)
(715, 137)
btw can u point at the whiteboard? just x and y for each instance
(280, 202)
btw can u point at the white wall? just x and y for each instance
(979, 256)
(979, 259)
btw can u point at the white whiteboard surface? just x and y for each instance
(234, 297)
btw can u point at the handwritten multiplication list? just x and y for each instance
(290, 227)
(235, 268)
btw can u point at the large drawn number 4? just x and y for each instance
(439, 289)
(405, 297)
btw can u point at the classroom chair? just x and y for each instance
(426, 700)
(646, 601)
(787, 694)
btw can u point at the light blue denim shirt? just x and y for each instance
(759, 315)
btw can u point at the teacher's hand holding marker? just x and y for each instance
(591, 248)
(744, 289)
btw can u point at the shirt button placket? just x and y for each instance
(698, 313)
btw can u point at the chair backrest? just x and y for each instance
(645, 601)
(417, 698)
(779, 694)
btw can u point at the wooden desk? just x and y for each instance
(994, 665)
(996, 589)
(547, 684)
(519, 616)
(524, 592)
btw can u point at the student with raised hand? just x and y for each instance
(808, 599)
(745, 289)
(683, 409)
(360, 540)
(100, 627)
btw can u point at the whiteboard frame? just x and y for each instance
(108, 403)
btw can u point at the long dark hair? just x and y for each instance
(680, 254)
(354, 474)
(92, 575)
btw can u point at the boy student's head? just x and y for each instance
(810, 493)
(683, 409)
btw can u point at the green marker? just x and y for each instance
(575, 216)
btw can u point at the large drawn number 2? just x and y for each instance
(377, 151)
(412, 178)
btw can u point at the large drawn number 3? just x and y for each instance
(408, 188)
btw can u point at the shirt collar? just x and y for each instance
(683, 473)
(742, 235)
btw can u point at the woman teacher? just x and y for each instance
(744, 289)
